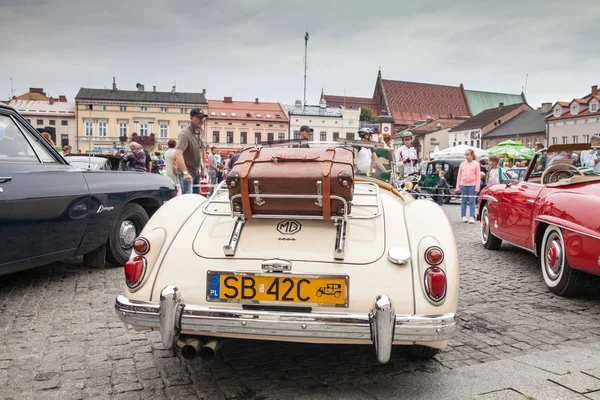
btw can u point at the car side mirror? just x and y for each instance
(509, 182)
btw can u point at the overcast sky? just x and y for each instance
(249, 49)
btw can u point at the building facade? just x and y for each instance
(108, 118)
(329, 123)
(232, 125)
(472, 131)
(527, 128)
(575, 121)
(55, 116)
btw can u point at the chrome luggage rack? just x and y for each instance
(220, 197)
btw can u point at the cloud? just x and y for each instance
(256, 48)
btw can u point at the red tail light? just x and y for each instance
(435, 283)
(141, 246)
(434, 255)
(134, 271)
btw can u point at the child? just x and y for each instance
(494, 175)
(481, 180)
(440, 188)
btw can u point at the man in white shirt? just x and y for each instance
(364, 157)
(407, 154)
(590, 158)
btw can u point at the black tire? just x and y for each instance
(134, 217)
(558, 275)
(488, 239)
(418, 351)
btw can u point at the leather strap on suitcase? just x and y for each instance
(245, 184)
(327, 184)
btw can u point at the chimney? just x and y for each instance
(62, 98)
(114, 84)
(256, 101)
(227, 99)
(204, 92)
(594, 90)
(37, 90)
(139, 87)
(51, 101)
(298, 104)
(546, 107)
(154, 88)
(173, 89)
(500, 106)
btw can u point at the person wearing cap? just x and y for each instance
(305, 132)
(189, 153)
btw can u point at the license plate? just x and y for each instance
(251, 288)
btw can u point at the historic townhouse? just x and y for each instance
(232, 125)
(329, 123)
(108, 118)
(575, 121)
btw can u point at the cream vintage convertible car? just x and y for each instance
(384, 274)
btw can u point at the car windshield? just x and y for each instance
(577, 160)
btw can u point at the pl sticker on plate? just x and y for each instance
(215, 283)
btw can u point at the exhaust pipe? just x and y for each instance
(189, 347)
(209, 351)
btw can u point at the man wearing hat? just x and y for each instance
(189, 153)
(305, 132)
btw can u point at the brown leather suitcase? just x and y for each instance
(292, 171)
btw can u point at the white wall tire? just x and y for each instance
(488, 239)
(558, 275)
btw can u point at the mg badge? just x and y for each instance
(289, 227)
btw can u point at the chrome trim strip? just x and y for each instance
(569, 229)
(344, 326)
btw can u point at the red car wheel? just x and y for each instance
(558, 275)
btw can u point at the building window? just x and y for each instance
(268, 115)
(586, 138)
(270, 136)
(89, 107)
(52, 122)
(575, 139)
(223, 114)
(213, 113)
(554, 140)
(64, 140)
(122, 108)
(258, 116)
(243, 137)
(40, 122)
(499, 121)
(64, 122)
(216, 135)
(593, 107)
(144, 129)
(248, 115)
(336, 136)
(574, 109)
(296, 135)
(277, 116)
(102, 107)
(529, 146)
(311, 138)
(183, 110)
(565, 140)
(89, 128)
(163, 130)
(350, 135)
(102, 128)
(229, 137)
(257, 138)
(557, 112)
(233, 114)
(122, 128)
(323, 136)
(281, 136)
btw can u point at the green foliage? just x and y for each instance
(366, 114)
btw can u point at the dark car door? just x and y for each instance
(43, 200)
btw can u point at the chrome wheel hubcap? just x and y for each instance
(554, 257)
(127, 234)
(485, 226)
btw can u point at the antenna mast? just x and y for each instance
(525, 89)
(305, 65)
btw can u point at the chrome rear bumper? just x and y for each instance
(381, 325)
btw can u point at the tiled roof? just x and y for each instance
(413, 101)
(140, 97)
(479, 101)
(29, 107)
(562, 103)
(436, 125)
(349, 101)
(485, 117)
(315, 111)
(525, 122)
(266, 112)
(581, 101)
(568, 115)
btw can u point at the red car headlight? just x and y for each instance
(134, 271)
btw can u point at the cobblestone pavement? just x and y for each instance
(60, 337)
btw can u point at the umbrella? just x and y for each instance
(510, 149)
(456, 152)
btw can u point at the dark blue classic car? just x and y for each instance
(50, 210)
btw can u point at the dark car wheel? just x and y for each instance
(488, 239)
(127, 227)
(560, 278)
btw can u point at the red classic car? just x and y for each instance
(553, 212)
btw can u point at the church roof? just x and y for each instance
(479, 101)
(349, 101)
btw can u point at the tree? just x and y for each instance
(366, 114)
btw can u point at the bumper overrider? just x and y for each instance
(382, 326)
